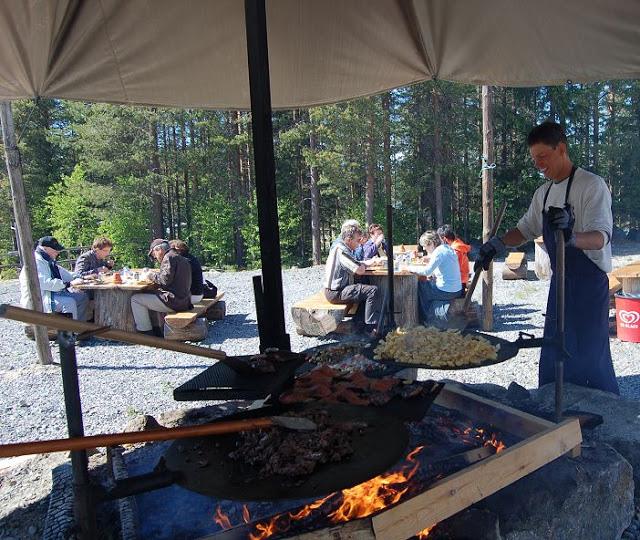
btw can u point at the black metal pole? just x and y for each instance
(390, 303)
(272, 325)
(559, 337)
(83, 507)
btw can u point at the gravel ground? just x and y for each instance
(119, 382)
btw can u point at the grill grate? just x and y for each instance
(220, 382)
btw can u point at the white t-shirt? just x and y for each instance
(591, 201)
(443, 265)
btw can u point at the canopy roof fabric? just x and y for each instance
(192, 53)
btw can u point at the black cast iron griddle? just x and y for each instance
(506, 351)
(202, 464)
(232, 378)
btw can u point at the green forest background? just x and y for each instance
(132, 173)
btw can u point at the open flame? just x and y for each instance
(362, 500)
(222, 519)
(356, 502)
(425, 532)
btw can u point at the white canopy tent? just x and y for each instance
(193, 53)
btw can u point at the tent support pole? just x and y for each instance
(23, 226)
(487, 201)
(271, 320)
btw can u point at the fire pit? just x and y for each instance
(465, 449)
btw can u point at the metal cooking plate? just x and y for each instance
(205, 467)
(506, 351)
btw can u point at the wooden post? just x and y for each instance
(314, 192)
(23, 226)
(487, 202)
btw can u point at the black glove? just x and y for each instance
(488, 251)
(562, 219)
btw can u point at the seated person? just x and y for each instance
(358, 253)
(174, 279)
(442, 266)
(54, 283)
(197, 280)
(447, 236)
(95, 260)
(339, 286)
(376, 245)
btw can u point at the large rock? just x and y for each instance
(590, 497)
(621, 419)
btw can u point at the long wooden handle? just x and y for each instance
(476, 275)
(53, 320)
(162, 434)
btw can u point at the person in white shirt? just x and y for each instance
(55, 282)
(578, 203)
(445, 283)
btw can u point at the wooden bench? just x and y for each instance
(316, 316)
(184, 326)
(625, 279)
(515, 266)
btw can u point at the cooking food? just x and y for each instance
(424, 345)
(276, 451)
(260, 363)
(346, 356)
(334, 354)
(334, 386)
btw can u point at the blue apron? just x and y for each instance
(586, 317)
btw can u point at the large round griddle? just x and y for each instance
(202, 464)
(506, 351)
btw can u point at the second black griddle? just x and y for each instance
(506, 351)
(203, 464)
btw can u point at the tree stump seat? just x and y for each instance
(316, 316)
(185, 325)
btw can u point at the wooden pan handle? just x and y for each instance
(53, 320)
(162, 434)
(476, 275)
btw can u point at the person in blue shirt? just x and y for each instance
(376, 246)
(443, 271)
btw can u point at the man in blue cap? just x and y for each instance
(54, 282)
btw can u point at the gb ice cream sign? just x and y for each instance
(629, 318)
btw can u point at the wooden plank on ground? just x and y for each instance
(184, 318)
(462, 489)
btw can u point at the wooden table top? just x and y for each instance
(383, 272)
(110, 285)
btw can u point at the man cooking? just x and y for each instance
(578, 203)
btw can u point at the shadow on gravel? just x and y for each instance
(154, 367)
(629, 385)
(232, 326)
(512, 317)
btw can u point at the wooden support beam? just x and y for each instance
(487, 201)
(23, 226)
(460, 490)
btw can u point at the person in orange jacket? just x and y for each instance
(447, 235)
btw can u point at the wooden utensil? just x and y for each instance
(459, 319)
(58, 322)
(161, 434)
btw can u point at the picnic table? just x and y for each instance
(113, 301)
(405, 293)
